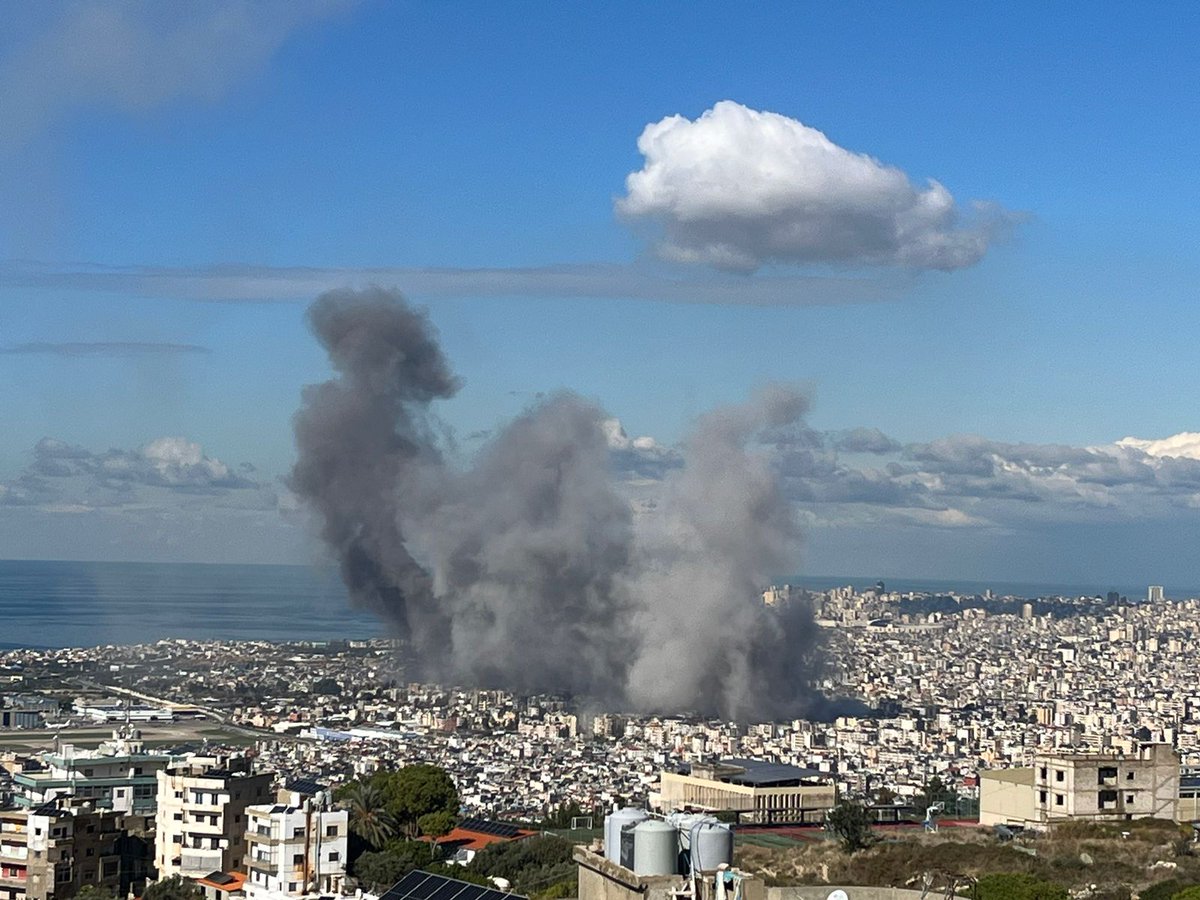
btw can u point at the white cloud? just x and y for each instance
(138, 55)
(738, 188)
(1185, 445)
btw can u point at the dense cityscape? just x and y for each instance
(953, 690)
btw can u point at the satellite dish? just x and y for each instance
(838, 895)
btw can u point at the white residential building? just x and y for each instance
(296, 847)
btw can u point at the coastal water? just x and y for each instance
(83, 604)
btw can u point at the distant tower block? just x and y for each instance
(1154, 594)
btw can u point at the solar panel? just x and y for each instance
(483, 826)
(420, 885)
(303, 786)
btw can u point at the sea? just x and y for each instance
(85, 604)
(88, 604)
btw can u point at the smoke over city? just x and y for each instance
(528, 569)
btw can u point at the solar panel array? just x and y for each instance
(303, 786)
(420, 885)
(483, 826)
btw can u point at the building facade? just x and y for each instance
(1085, 786)
(118, 775)
(297, 846)
(758, 792)
(201, 820)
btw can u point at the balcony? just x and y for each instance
(198, 863)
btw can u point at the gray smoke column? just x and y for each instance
(365, 437)
(725, 529)
(527, 570)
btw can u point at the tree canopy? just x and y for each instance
(404, 795)
(851, 823)
(174, 888)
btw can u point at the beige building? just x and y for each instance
(758, 792)
(1087, 786)
(201, 823)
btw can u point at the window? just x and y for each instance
(87, 773)
(1107, 774)
(1129, 798)
(1059, 800)
(137, 770)
(291, 886)
(1060, 775)
(110, 868)
(334, 856)
(1129, 775)
(91, 851)
(297, 832)
(177, 838)
(178, 817)
(1042, 774)
(297, 859)
(1108, 799)
(331, 831)
(1041, 796)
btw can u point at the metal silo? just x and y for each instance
(655, 848)
(711, 845)
(615, 823)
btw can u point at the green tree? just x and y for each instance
(369, 815)
(1189, 893)
(379, 870)
(1018, 886)
(561, 817)
(851, 823)
(174, 888)
(529, 865)
(95, 892)
(935, 791)
(435, 824)
(415, 791)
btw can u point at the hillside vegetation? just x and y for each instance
(1082, 859)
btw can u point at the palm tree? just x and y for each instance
(369, 818)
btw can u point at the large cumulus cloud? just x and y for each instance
(738, 188)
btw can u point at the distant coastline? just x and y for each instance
(55, 603)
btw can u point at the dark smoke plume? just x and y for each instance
(528, 570)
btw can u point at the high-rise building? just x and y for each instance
(1154, 594)
(201, 822)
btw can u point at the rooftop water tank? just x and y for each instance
(614, 824)
(711, 845)
(655, 848)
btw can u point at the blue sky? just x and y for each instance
(175, 186)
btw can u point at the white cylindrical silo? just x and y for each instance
(614, 824)
(655, 848)
(711, 845)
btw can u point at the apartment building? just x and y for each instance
(201, 821)
(758, 792)
(297, 846)
(1087, 786)
(118, 775)
(14, 854)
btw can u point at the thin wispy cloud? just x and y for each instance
(634, 281)
(135, 56)
(107, 349)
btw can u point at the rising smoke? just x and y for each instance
(528, 570)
